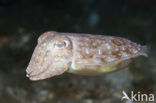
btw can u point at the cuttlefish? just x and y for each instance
(84, 54)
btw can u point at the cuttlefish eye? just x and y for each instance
(61, 44)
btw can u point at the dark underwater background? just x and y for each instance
(22, 22)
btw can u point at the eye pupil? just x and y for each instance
(61, 44)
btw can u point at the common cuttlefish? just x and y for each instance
(83, 54)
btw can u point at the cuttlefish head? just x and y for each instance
(51, 56)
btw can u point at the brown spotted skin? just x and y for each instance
(81, 54)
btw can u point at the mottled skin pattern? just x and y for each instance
(84, 54)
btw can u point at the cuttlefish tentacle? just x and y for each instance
(84, 54)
